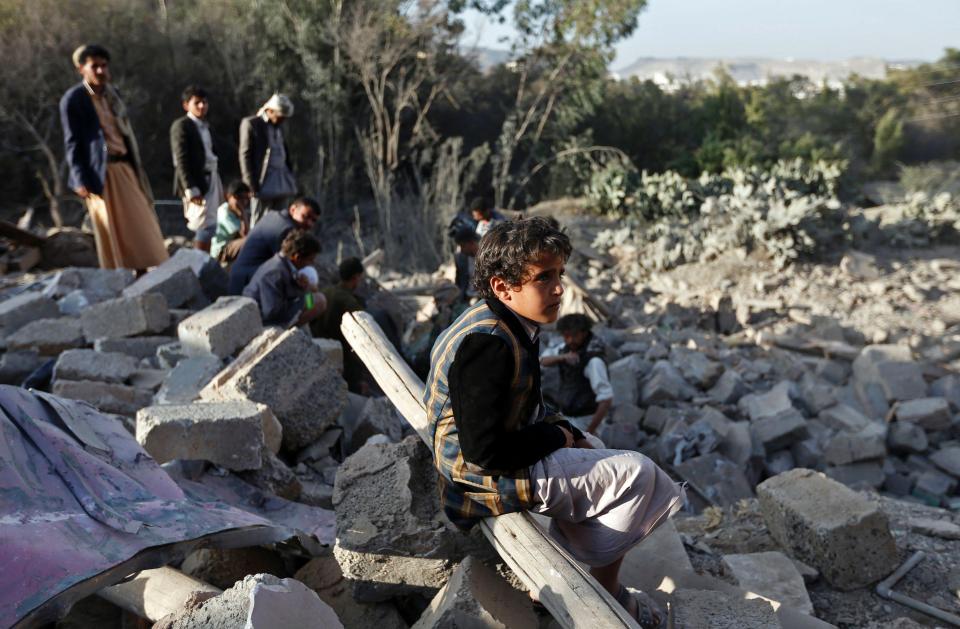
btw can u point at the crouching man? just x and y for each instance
(279, 288)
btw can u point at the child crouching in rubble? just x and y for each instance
(496, 447)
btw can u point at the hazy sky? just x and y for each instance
(809, 29)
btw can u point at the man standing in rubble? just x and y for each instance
(105, 169)
(264, 161)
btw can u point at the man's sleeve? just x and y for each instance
(596, 373)
(73, 151)
(479, 380)
(178, 147)
(274, 308)
(246, 156)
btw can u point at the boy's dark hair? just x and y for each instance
(193, 90)
(575, 322)
(300, 242)
(81, 54)
(481, 204)
(465, 234)
(237, 187)
(507, 249)
(310, 202)
(350, 268)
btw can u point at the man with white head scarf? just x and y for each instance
(264, 161)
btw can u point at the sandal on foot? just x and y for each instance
(643, 608)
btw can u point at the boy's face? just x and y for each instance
(302, 261)
(481, 215)
(198, 106)
(239, 202)
(538, 298)
(574, 339)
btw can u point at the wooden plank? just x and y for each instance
(152, 594)
(571, 595)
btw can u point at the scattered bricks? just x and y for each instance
(139, 347)
(934, 487)
(86, 364)
(779, 431)
(708, 609)
(221, 328)
(695, 367)
(332, 350)
(773, 403)
(109, 398)
(323, 575)
(863, 445)
(48, 337)
(931, 413)
(222, 567)
(858, 476)
(126, 316)
(728, 389)
(229, 434)
(891, 367)
(844, 417)
(665, 383)
(291, 376)
(834, 529)
(183, 384)
(274, 477)
(476, 596)
(772, 575)
(948, 460)
(20, 310)
(624, 379)
(15, 366)
(178, 286)
(907, 438)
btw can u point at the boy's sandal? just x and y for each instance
(643, 608)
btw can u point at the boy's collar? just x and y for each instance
(521, 326)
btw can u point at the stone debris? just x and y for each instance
(87, 364)
(232, 434)
(20, 310)
(378, 416)
(221, 328)
(332, 351)
(178, 286)
(932, 413)
(126, 316)
(323, 575)
(139, 347)
(183, 383)
(708, 609)
(823, 523)
(48, 337)
(772, 575)
(111, 398)
(892, 370)
(274, 477)
(476, 596)
(222, 567)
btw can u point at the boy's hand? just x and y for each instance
(568, 436)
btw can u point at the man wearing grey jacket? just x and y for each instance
(264, 161)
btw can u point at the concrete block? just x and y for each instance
(625, 381)
(109, 398)
(17, 311)
(931, 413)
(221, 328)
(844, 417)
(850, 447)
(126, 316)
(728, 389)
(274, 477)
(332, 350)
(907, 438)
(102, 284)
(86, 364)
(476, 596)
(773, 576)
(779, 431)
(695, 367)
(834, 529)
(769, 404)
(184, 382)
(48, 337)
(891, 367)
(291, 376)
(665, 383)
(170, 354)
(863, 475)
(213, 279)
(708, 609)
(139, 347)
(15, 366)
(948, 460)
(229, 434)
(378, 417)
(178, 286)
(947, 387)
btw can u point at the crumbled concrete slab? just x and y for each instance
(719, 480)
(126, 316)
(323, 575)
(773, 403)
(87, 364)
(110, 398)
(775, 432)
(708, 609)
(844, 417)
(772, 575)
(834, 529)
(476, 596)
(943, 529)
(931, 413)
(139, 347)
(844, 448)
(892, 369)
(184, 382)
(229, 434)
(728, 389)
(48, 337)
(665, 383)
(21, 309)
(221, 328)
(178, 286)
(695, 367)
(907, 438)
(948, 460)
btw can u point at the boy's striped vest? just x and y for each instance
(468, 492)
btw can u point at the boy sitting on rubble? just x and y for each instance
(585, 394)
(281, 290)
(498, 449)
(233, 223)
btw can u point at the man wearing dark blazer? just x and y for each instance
(196, 179)
(264, 161)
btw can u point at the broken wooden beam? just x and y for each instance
(20, 236)
(572, 596)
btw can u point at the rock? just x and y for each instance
(332, 350)
(126, 316)
(665, 383)
(86, 364)
(772, 403)
(229, 434)
(259, 601)
(16, 366)
(48, 337)
(814, 395)
(837, 531)
(183, 384)
(392, 539)
(139, 347)
(863, 445)
(213, 279)
(476, 596)
(907, 438)
(859, 476)
(860, 266)
(695, 367)
(943, 529)
(845, 418)
(100, 284)
(621, 430)
(624, 378)
(708, 609)
(779, 431)
(717, 478)
(291, 376)
(378, 417)
(728, 389)
(221, 328)
(656, 418)
(891, 368)
(20, 310)
(223, 567)
(274, 477)
(110, 398)
(148, 379)
(169, 355)
(772, 575)
(807, 453)
(948, 460)
(934, 487)
(178, 286)
(947, 387)
(931, 413)
(323, 575)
